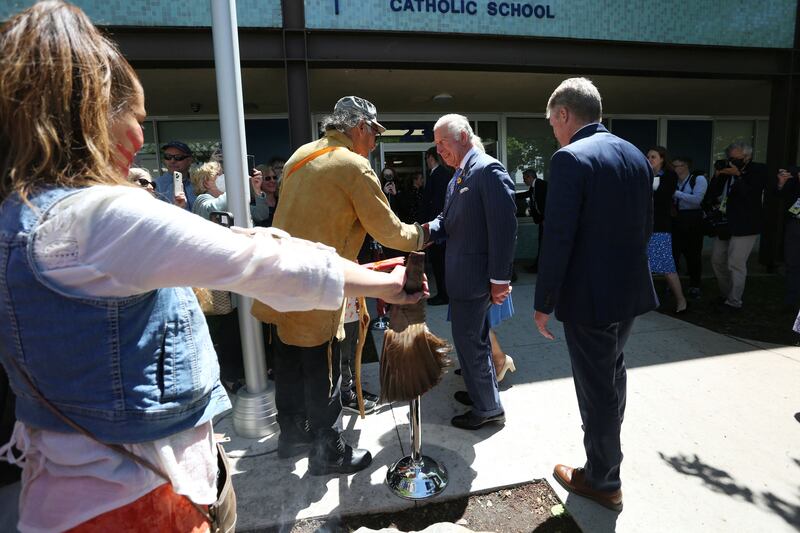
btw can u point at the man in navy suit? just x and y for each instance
(594, 273)
(434, 197)
(480, 225)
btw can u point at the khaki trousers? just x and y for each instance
(729, 260)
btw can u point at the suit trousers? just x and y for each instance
(470, 323)
(303, 388)
(539, 243)
(436, 252)
(791, 254)
(598, 370)
(729, 260)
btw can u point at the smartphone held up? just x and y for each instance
(177, 178)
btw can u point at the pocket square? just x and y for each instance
(462, 191)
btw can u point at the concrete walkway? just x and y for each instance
(710, 437)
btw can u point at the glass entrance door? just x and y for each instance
(406, 159)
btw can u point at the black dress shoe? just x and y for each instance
(462, 397)
(439, 300)
(472, 421)
(457, 371)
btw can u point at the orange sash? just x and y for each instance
(314, 155)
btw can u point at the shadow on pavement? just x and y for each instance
(721, 481)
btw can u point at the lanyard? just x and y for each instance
(685, 182)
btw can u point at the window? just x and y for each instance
(529, 144)
(691, 138)
(267, 138)
(728, 131)
(202, 136)
(487, 131)
(642, 133)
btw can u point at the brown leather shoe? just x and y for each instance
(574, 481)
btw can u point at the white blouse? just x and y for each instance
(114, 241)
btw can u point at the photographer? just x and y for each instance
(736, 191)
(687, 224)
(789, 188)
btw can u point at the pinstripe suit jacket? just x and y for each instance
(480, 225)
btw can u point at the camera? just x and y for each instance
(721, 164)
(738, 163)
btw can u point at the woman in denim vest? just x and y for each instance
(95, 313)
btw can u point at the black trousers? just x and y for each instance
(687, 241)
(224, 331)
(348, 350)
(598, 370)
(539, 243)
(436, 253)
(791, 254)
(303, 389)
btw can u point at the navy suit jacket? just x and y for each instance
(480, 225)
(593, 268)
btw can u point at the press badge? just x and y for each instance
(795, 209)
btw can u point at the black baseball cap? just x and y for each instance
(183, 147)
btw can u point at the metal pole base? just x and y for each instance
(254, 413)
(416, 480)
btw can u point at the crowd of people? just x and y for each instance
(115, 407)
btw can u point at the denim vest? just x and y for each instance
(130, 369)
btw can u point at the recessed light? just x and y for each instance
(397, 162)
(442, 97)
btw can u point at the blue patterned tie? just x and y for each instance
(454, 181)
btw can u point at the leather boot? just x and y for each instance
(294, 439)
(330, 454)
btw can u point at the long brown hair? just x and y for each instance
(61, 85)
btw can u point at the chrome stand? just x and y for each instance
(416, 476)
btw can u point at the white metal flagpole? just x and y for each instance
(254, 410)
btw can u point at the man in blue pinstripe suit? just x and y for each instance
(480, 225)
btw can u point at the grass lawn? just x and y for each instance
(763, 316)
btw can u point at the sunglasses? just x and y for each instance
(144, 182)
(269, 178)
(170, 157)
(374, 129)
